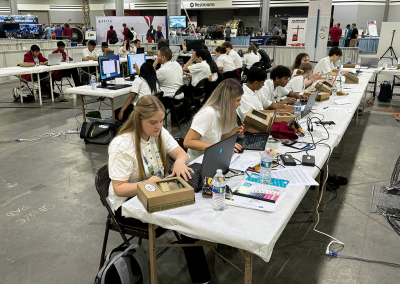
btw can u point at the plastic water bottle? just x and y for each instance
(218, 191)
(37, 62)
(348, 59)
(93, 81)
(338, 64)
(67, 59)
(266, 165)
(297, 109)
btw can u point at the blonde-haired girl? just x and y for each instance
(297, 83)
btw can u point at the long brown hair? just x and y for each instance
(297, 61)
(145, 107)
(223, 100)
(252, 48)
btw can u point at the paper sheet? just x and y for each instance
(342, 101)
(242, 163)
(244, 202)
(336, 110)
(349, 86)
(297, 177)
(108, 67)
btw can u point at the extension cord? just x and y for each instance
(73, 132)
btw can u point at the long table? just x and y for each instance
(251, 231)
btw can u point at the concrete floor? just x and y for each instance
(52, 221)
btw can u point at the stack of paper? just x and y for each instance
(242, 163)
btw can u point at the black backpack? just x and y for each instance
(114, 38)
(385, 94)
(130, 35)
(98, 132)
(129, 267)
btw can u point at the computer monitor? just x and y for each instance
(177, 22)
(195, 44)
(109, 68)
(139, 50)
(139, 59)
(163, 43)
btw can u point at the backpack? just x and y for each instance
(385, 94)
(113, 37)
(130, 266)
(98, 132)
(130, 35)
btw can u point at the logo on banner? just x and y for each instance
(149, 20)
(105, 21)
(191, 5)
(201, 5)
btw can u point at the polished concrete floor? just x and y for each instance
(52, 221)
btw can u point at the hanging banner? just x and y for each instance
(296, 32)
(141, 24)
(372, 30)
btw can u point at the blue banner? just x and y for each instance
(260, 40)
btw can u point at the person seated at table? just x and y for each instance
(136, 44)
(183, 46)
(200, 70)
(104, 49)
(89, 53)
(235, 57)
(303, 73)
(216, 120)
(325, 65)
(169, 75)
(30, 56)
(145, 84)
(126, 48)
(304, 58)
(275, 90)
(253, 96)
(225, 63)
(139, 152)
(251, 56)
(213, 66)
(264, 57)
(59, 74)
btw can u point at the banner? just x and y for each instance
(260, 40)
(296, 32)
(372, 30)
(141, 25)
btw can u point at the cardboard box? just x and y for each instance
(351, 79)
(282, 116)
(256, 121)
(322, 97)
(349, 65)
(326, 87)
(165, 194)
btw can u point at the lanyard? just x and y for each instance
(150, 167)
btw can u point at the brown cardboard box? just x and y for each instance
(326, 87)
(256, 121)
(349, 65)
(351, 79)
(307, 93)
(165, 194)
(322, 97)
(282, 116)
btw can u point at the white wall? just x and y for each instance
(370, 13)
(394, 12)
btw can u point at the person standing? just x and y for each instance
(275, 30)
(112, 36)
(159, 32)
(48, 31)
(150, 33)
(58, 31)
(279, 30)
(335, 34)
(134, 33)
(67, 30)
(354, 35)
(228, 33)
(125, 32)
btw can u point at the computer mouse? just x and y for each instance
(240, 151)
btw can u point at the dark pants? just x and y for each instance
(228, 39)
(335, 43)
(73, 72)
(126, 114)
(346, 43)
(44, 84)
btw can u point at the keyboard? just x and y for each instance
(116, 87)
(195, 181)
(252, 142)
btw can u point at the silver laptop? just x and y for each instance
(54, 59)
(175, 49)
(369, 61)
(77, 57)
(310, 102)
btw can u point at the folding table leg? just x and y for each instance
(324, 179)
(356, 119)
(112, 109)
(342, 142)
(51, 86)
(316, 193)
(40, 89)
(248, 271)
(83, 109)
(153, 254)
(20, 90)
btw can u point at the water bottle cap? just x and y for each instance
(298, 100)
(219, 171)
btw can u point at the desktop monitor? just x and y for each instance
(177, 22)
(109, 68)
(163, 43)
(139, 50)
(139, 59)
(11, 27)
(195, 44)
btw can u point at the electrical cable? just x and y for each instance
(335, 254)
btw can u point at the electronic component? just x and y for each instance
(288, 160)
(308, 161)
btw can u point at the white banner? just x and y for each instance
(296, 32)
(372, 30)
(141, 25)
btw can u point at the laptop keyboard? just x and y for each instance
(255, 142)
(116, 87)
(195, 180)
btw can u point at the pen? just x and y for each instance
(325, 107)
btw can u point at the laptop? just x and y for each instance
(54, 59)
(110, 53)
(217, 156)
(256, 141)
(139, 50)
(310, 102)
(175, 49)
(214, 57)
(77, 57)
(369, 62)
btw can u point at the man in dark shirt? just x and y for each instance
(264, 57)
(159, 32)
(354, 36)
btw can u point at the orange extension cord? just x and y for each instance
(395, 115)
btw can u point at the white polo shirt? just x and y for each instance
(236, 59)
(226, 62)
(296, 84)
(129, 51)
(141, 88)
(251, 58)
(199, 71)
(122, 161)
(250, 99)
(87, 53)
(324, 66)
(170, 78)
(207, 123)
(214, 76)
(274, 94)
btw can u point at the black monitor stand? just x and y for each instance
(103, 83)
